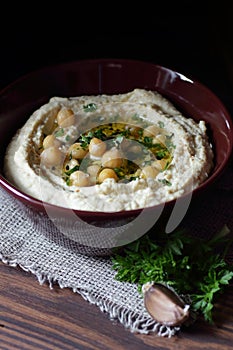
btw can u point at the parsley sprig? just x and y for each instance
(190, 265)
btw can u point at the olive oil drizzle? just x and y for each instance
(115, 134)
(137, 149)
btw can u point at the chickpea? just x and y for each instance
(107, 174)
(149, 172)
(51, 156)
(160, 139)
(135, 149)
(77, 151)
(71, 164)
(79, 178)
(160, 164)
(97, 147)
(65, 117)
(50, 141)
(133, 152)
(125, 144)
(93, 170)
(112, 158)
(151, 130)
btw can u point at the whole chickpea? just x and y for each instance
(151, 130)
(93, 170)
(134, 149)
(160, 164)
(77, 151)
(125, 144)
(51, 156)
(133, 152)
(160, 139)
(65, 117)
(149, 172)
(79, 178)
(97, 147)
(112, 158)
(50, 140)
(107, 174)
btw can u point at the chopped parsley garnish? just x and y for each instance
(72, 170)
(91, 107)
(125, 133)
(60, 132)
(120, 173)
(136, 117)
(165, 182)
(161, 124)
(118, 140)
(68, 182)
(85, 139)
(168, 142)
(99, 133)
(162, 153)
(119, 135)
(148, 141)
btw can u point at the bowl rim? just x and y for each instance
(41, 205)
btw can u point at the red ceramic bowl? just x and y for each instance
(111, 76)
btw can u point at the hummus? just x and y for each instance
(109, 152)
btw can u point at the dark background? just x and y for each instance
(192, 37)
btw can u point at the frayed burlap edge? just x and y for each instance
(132, 321)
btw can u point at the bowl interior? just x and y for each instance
(111, 76)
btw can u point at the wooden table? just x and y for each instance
(34, 317)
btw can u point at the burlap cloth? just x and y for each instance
(27, 240)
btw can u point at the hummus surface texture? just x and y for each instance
(109, 152)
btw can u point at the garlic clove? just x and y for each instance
(164, 305)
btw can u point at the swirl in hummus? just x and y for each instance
(109, 152)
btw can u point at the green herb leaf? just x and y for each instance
(91, 107)
(181, 261)
(165, 182)
(161, 124)
(59, 132)
(72, 170)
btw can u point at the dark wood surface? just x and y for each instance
(34, 317)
